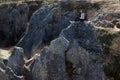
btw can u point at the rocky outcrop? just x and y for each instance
(50, 64)
(33, 6)
(2, 65)
(66, 58)
(16, 61)
(13, 21)
(45, 25)
(83, 33)
(3, 76)
(6, 73)
(12, 76)
(77, 62)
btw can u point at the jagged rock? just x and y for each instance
(84, 33)
(71, 15)
(72, 60)
(80, 65)
(12, 76)
(45, 25)
(95, 72)
(2, 65)
(33, 6)
(13, 20)
(118, 24)
(3, 76)
(50, 64)
(16, 61)
(18, 20)
(78, 59)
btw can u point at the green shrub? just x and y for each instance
(106, 39)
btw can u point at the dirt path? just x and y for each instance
(5, 52)
(110, 30)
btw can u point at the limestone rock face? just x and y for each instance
(16, 61)
(95, 71)
(77, 62)
(13, 20)
(66, 58)
(50, 64)
(83, 33)
(45, 25)
(80, 65)
(2, 65)
(12, 75)
(3, 76)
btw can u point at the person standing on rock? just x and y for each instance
(82, 16)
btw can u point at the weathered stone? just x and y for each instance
(95, 72)
(13, 21)
(2, 65)
(71, 15)
(50, 64)
(80, 65)
(12, 75)
(16, 61)
(45, 25)
(79, 59)
(3, 76)
(83, 33)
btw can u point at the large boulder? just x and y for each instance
(45, 25)
(50, 64)
(16, 61)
